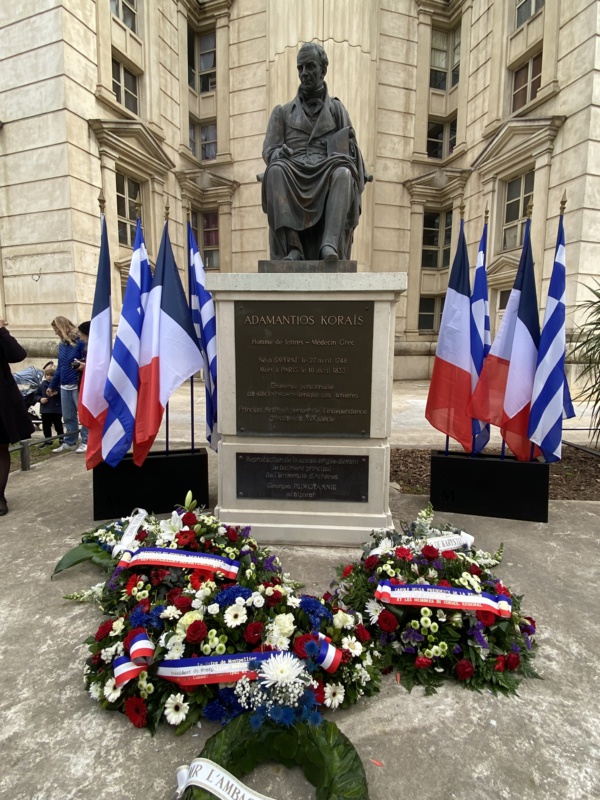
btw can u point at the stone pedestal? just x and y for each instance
(307, 266)
(305, 363)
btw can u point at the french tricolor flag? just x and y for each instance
(92, 405)
(503, 394)
(169, 352)
(450, 387)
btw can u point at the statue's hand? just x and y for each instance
(282, 152)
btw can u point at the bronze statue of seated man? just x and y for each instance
(311, 189)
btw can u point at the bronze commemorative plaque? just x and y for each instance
(291, 476)
(304, 368)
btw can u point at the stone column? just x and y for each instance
(417, 209)
(225, 238)
(422, 94)
(223, 111)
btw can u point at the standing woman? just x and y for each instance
(15, 422)
(70, 353)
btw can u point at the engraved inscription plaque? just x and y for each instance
(304, 368)
(285, 476)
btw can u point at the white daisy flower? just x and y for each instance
(334, 695)
(176, 709)
(282, 668)
(352, 644)
(95, 691)
(171, 612)
(373, 609)
(235, 616)
(112, 692)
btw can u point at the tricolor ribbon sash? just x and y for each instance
(417, 594)
(455, 541)
(141, 655)
(216, 780)
(329, 657)
(131, 531)
(141, 649)
(165, 557)
(211, 669)
(125, 670)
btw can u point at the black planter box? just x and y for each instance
(158, 485)
(489, 486)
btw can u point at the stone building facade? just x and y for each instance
(481, 104)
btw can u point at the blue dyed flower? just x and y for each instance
(269, 564)
(138, 619)
(311, 648)
(315, 611)
(214, 711)
(228, 596)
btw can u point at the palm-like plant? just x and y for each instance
(586, 351)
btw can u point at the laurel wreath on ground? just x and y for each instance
(326, 756)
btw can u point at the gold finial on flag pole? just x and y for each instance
(486, 214)
(529, 208)
(138, 206)
(102, 202)
(563, 203)
(461, 208)
(167, 209)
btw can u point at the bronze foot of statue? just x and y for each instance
(293, 255)
(328, 253)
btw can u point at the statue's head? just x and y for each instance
(312, 66)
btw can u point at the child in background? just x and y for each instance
(50, 407)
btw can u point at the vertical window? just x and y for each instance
(205, 226)
(125, 86)
(519, 192)
(430, 313)
(126, 11)
(202, 61)
(437, 239)
(445, 59)
(441, 138)
(193, 138)
(128, 193)
(526, 9)
(526, 82)
(208, 138)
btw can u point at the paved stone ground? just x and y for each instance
(57, 744)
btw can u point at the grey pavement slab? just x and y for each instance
(57, 744)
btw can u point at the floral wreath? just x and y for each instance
(203, 621)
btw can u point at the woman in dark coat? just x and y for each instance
(15, 422)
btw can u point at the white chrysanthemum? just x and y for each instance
(95, 691)
(176, 709)
(334, 695)
(235, 616)
(171, 612)
(352, 644)
(282, 668)
(175, 651)
(214, 608)
(293, 601)
(112, 692)
(373, 609)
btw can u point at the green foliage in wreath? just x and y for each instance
(327, 757)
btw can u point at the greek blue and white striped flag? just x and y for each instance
(205, 325)
(551, 400)
(480, 336)
(121, 390)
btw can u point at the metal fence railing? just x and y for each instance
(25, 447)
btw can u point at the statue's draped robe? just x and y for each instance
(295, 198)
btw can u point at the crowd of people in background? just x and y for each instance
(57, 395)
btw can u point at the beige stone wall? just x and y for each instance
(64, 136)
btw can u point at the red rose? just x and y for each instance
(531, 621)
(157, 576)
(253, 632)
(327, 596)
(362, 633)
(319, 693)
(301, 642)
(183, 604)
(347, 571)
(371, 562)
(513, 661)
(475, 569)
(232, 534)
(500, 589)
(464, 669)
(207, 544)
(141, 536)
(104, 630)
(449, 555)
(403, 553)
(387, 621)
(196, 632)
(187, 539)
(444, 582)
(499, 665)
(131, 584)
(173, 595)
(189, 519)
(131, 636)
(135, 709)
(272, 600)
(421, 662)
(487, 617)
(430, 552)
